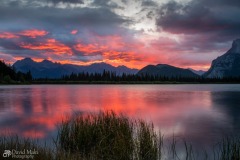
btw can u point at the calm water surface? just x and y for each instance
(199, 113)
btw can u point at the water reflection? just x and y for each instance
(228, 103)
(200, 114)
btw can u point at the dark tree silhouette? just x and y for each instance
(9, 75)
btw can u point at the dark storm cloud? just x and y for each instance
(9, 44)
(221, 3)
(12, 3)
(67, 1)
(35, 3)
(106, 4)
(55, 18)
(219, 19)
(32, 14)
(19, 16)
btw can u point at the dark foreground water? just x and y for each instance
(200, 114)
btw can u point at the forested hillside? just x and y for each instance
(9, 75)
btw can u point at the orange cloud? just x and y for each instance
(90, 48)
(113, 53)
(123, 56)
(73, 32)
(113, 42)
(8, 35)
(102, 44)
(33, 33)
(51, 45)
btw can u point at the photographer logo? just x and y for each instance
(20, 154)
(7, 153)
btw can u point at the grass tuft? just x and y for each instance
(108, 136)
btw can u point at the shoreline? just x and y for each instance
(114, 83)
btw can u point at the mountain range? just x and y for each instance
(48, 69)
(227, 65)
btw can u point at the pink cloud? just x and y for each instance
(8, 35)
(90, 48)
(50, 45)
(34, 33)
(73, 32)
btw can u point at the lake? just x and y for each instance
(198, 113)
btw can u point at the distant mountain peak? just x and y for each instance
(235, 46)
(161, 65)
(198, 72)
(165, 70)
(100, 64)
(121, 66)
(227, 65)
(27, 59)
(46, 61)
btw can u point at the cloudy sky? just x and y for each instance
(184, 33)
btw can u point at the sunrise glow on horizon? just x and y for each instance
(183, 33)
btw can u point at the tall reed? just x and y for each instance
(108, 136)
